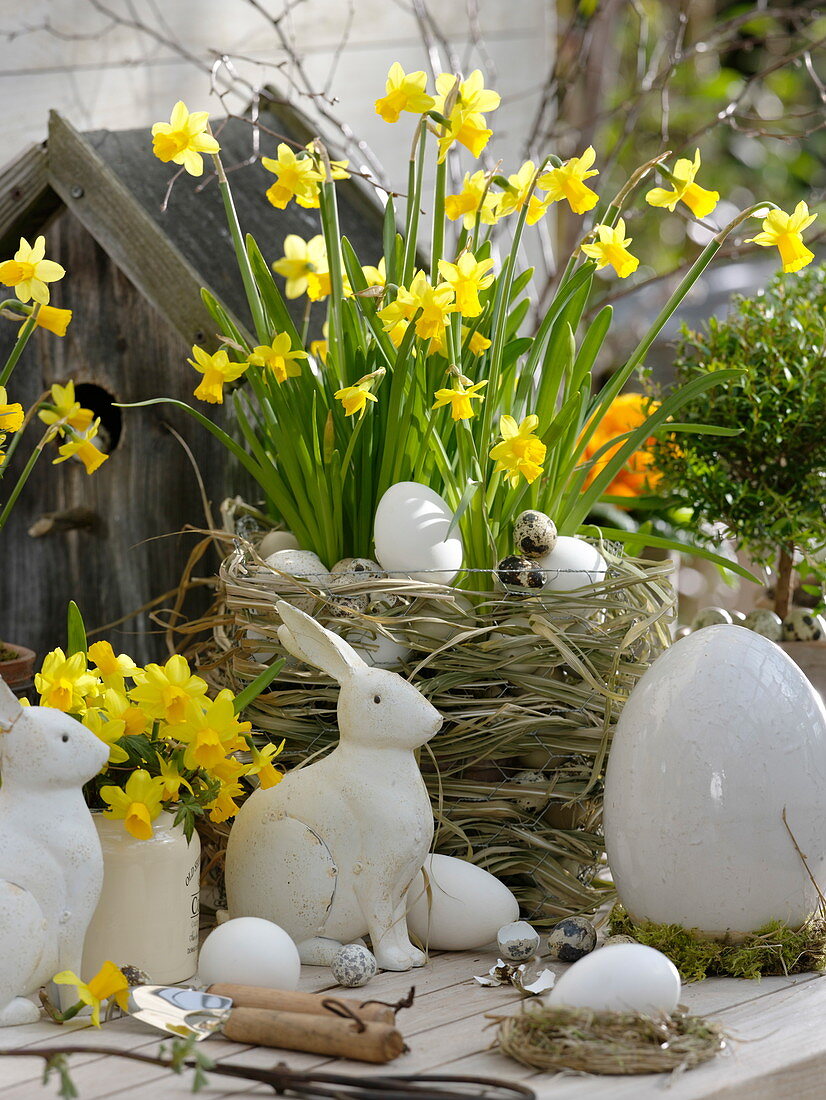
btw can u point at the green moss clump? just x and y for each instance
(773, 949)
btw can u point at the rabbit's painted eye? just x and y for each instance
(65, 737)
(376, 698)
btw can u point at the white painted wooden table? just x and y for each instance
(778, 1027)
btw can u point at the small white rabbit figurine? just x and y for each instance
(329, 853)
(51, 867)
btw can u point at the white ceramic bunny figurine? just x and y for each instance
(51, 867)
(329, 853)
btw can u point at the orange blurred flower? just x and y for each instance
(638, 475)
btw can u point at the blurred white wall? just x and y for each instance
(80, 57)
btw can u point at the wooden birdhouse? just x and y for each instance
(112, 541)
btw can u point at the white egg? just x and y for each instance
(299, 563)
(629, 978)
(461, 908)
(571, 564)
(440, 621)
(410, 532)
(377, 650)
(249, 951)
(722, 736)
(277, 540)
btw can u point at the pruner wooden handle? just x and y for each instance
(284, 1000)
(335, 1036)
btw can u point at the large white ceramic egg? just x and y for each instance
(571, 564)
(720, 736)
(410, 532)
(249, 951)
(629, 977)
(461, 908)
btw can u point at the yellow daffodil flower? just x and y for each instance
(64, 682)
(466, 120)
(183, 139)
(64, 407)
(472, 94)
(338, 171)
(217, 369)
(521, 452)
(29, 272)
(108, 983)
(477, 343)
(210, 734)
(52, 319)
(568, 182)
(473, 198)
(172, 779)
(375, 276)
(137, 804)
(112, 670)
(466, 128)
(698, 200)
(784, 232)
(2, 452)
(467, 277)
(224, 806)
(296, 177)
(459, 398)
(612, 248)
(435, 303)
(119, 707)
(299, 259)
(109, 731)
(165, 691)
(279, 357)
(262, 765)
(404, 92)
(80, 446)
(519, 192)
(355, 398)
(11, 415)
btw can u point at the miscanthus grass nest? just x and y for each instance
(530, 690)
(578, 1039)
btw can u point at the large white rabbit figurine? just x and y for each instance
(51, 867)
(329, 853)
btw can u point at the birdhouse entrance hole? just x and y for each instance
(94, 397)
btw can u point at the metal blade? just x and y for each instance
(182, 1012)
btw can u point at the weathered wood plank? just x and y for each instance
(27, 202)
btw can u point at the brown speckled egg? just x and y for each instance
(534, 534)
(520, 575)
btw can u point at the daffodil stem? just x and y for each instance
(438, 237)
(24, 477)
(23, 339)
(744, 215)
(242, 258)
(414, 202)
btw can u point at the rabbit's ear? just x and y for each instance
(311, 643)
(10, 708)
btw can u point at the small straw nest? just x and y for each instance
(530, 690)
(583, 1041)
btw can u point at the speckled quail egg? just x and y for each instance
(612, 941)
(534, 779)
(802, 625)
(350, 605)
(364, 566)
(382, 603)
(519, 575)
(534, 534)
(299, 563)
(274, 541)
(572, 938)
(353, 965)
(765, 622)
(710, 616)
(737, 617)
(517, 941)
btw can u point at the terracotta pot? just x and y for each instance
(811, 657)
(18, 671)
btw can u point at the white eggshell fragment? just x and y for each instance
(573, 563)
(249, 951)
(710, 616)
(517, 941)
(629, 978)
(802, 625)
(462, 908)
(353, 965)
(765, 622)
(721, 737)
(299, 563)
(277, 540)
(410, 532)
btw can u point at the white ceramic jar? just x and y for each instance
(147, 915)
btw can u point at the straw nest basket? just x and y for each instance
(530, 690)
